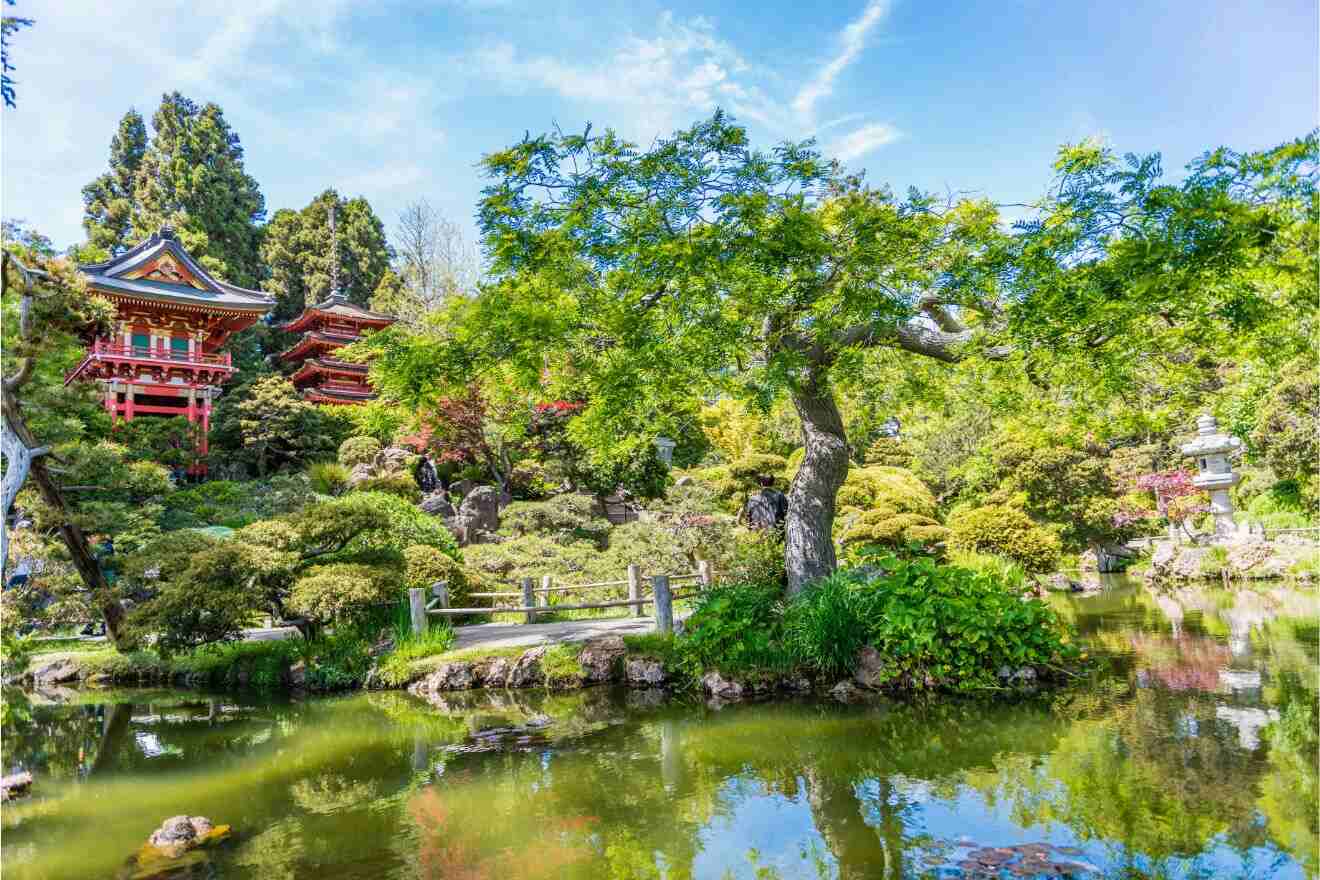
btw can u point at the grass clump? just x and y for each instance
(400, 665)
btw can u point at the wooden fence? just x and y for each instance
(535, 600)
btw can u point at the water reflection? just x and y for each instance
(1194, 755)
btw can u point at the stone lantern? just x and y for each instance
(1212, 451)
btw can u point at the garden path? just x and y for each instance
(513, 635)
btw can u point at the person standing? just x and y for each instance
(768, 508)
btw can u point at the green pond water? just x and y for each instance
(1193, 755)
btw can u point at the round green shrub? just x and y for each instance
(342, 590)
(358, 450)
(749, 467)
(889, 452)
(424, 566)
(885, 527)
(876, 485)
(402, 485)
(1005, 531)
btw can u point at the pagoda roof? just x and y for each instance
(314, 366)
(315, 339)
(316, 394)
(337, 305)
(160, 270)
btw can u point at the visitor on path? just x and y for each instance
(425, 476)
(768, 508)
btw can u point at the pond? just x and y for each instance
(1192, 756)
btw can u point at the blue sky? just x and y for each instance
(395, 101)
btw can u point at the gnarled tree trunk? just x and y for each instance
(808, 537)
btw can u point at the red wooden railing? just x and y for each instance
(157, 355)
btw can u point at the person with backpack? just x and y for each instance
(768, 508)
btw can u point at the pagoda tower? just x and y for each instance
(326, 326)
(163, 356)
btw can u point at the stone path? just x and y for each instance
(514, 635)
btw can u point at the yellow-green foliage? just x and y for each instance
(342, 589)
(732, 429)
(877, 486)
(890, 452)
(424, 566)
(401, 485)
(749, 467)
(1005, 531)
(883, 526)
(567, 518)
(358, 450)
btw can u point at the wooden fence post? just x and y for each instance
(703, 572)
(529, 598)
(417, 609)
(664, 604)
(440, 589)
(543, 599)
(635, 588)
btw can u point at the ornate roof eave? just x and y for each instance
(164, 299)
(112, 273)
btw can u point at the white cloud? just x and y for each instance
(852, 41)
(858, 143)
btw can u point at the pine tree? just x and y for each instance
(108, 201)
(192, 176)
(297, 250)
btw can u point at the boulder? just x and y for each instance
(720, 687)
(493, 673)
(846, 692)
(481, 508)
(644, 672)
(437, 504)
(685, 480)
(359, 474)
(870, 672)
(394, 460)
(461, 488)
(448, 677)
(600, 658)
(297, 675)
(526, 670)
(178, 834)
(58, 671)
(15, 785)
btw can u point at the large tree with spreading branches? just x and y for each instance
(645, 274)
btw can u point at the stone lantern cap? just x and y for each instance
(1209, 441)
(1212, 451)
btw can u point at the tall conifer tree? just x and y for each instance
(192, 176)
(108, 201)
(296, 249)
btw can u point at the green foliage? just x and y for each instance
(424, 566)
(530, 481)
(882, 527)
(889, 452)
(343, 590)
(828, 623)
(236, 504)
(267, 425)
(192, 176)
(1288, 426)
(184, 616)
(109, 202)
(169, 441)
(735, 628)
(749, 467)
(1005, 531)
(877, 487)
(566, 518)
(328, 477)
(401, 485)
(358, 450)
(395, 668)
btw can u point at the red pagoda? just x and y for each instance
(325, 327)
(171, 318)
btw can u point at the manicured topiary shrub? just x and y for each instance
(878, 486)
(358, 450)
(565, 518)
(889, 452)
(749, 467)
(401, 485)
(883, 527)
(1005, 531)
(342, 591)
